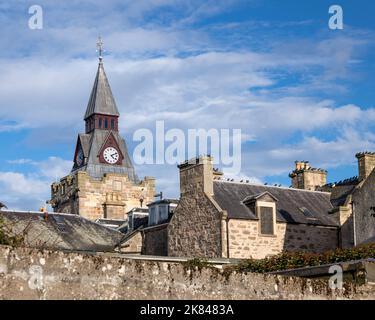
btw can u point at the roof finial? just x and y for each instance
(99, 45)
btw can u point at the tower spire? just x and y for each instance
(99, 46)
(101, 100)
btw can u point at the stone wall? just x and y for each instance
(133, 243)
(245, 240)
(111, 197)
(155, 241)
(36, 274)
(364, 212)
(195, 228)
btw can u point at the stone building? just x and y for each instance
(353, 199)
(354, 203)
(217, 217)
(102, 183)
(220, 218)
(148, 235)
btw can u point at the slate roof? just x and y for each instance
(84, 139)
(164, 201)
(110, 223)
(340, 190)
(61, 231)
(290, 205)
(101, 98)
(91, 144)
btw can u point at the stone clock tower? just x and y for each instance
(103, 182)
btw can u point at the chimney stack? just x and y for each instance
(196, 176)
(366, 163)
(307, 178)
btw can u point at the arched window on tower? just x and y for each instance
(100, 123)
(112, 123)
(105, 123)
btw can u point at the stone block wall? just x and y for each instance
(364, 209)
(245, 240)
(133, 244)
(36, 274)
(195, 228)
(155, 241)
(111, 197)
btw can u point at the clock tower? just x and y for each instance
(103, 182)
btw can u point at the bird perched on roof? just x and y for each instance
(2, 206)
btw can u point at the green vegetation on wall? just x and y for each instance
(289, 260)
(7, 237)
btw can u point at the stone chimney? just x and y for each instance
(307, 178)
(196, 176)
(366, 163)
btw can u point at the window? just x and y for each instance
(130, 221)
(63, 189)
(152, 218)
(106, 123)
(307, 213)
(163, 212)
(112, 123)
(100, 123)
(266, 220)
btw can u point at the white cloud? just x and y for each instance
(29, 191)
(161, 67)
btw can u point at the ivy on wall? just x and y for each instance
(9, 238)
(292, 260)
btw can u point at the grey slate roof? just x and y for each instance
(341, 190)
(230, 197)
(101, 98)
(93, 142)
(61, 231)
(84, 140)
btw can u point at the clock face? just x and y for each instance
(79, 158)
(111, 155)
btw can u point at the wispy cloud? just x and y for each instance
(29, 191)
(177, 61)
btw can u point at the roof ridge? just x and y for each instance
(271, 186)
(342, 182)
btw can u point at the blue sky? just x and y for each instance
(298, 90)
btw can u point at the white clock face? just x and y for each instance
(110, 155)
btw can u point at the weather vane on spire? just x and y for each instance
(99, 45)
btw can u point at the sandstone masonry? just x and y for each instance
(36, 274)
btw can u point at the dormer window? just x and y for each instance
(263, 206)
